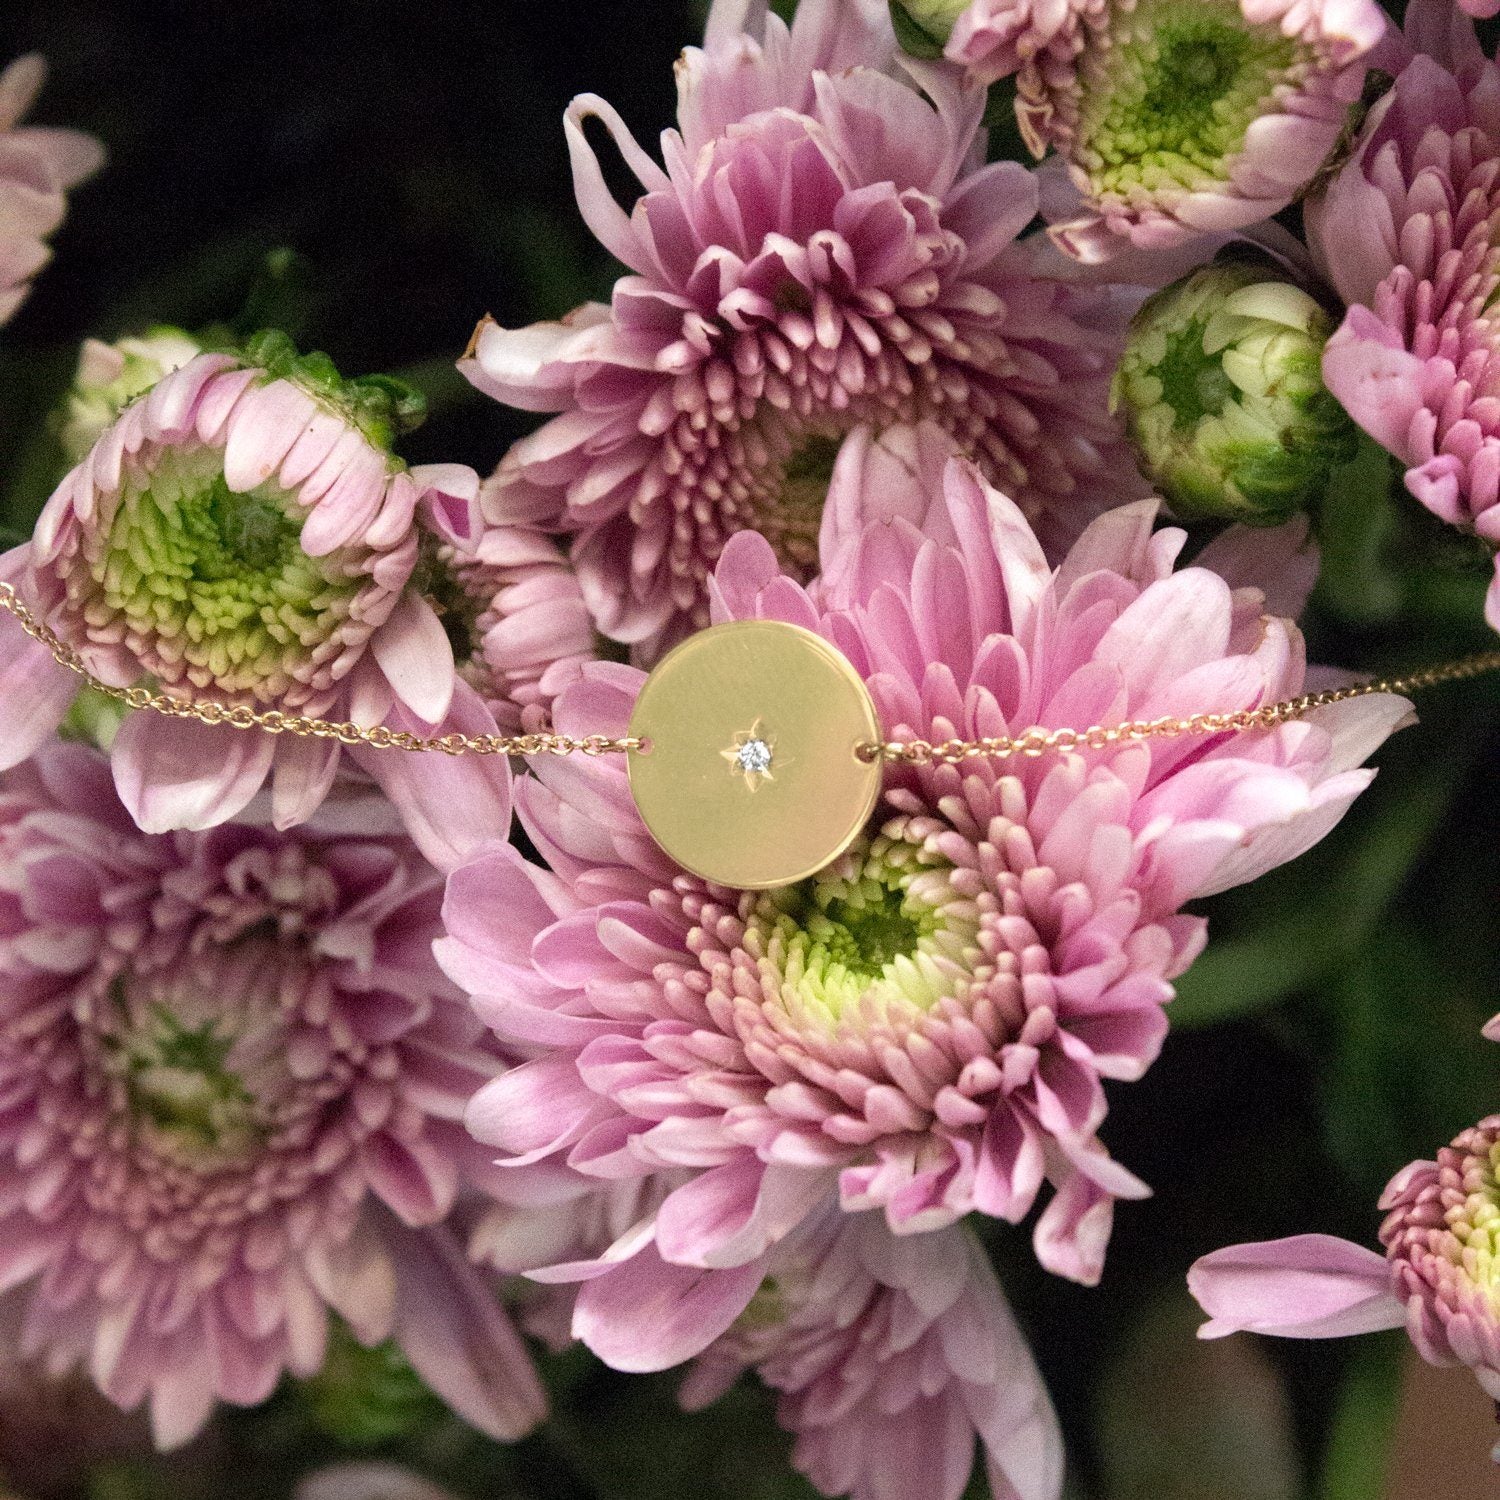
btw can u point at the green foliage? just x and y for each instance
(1406, 1069)
(614, 1436)
(1304, 925)
(364, 1397)
(278, 296)
(382, 406)
(1358, 526)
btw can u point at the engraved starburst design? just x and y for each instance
(751, 755)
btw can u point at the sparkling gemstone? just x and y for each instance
(754, 755)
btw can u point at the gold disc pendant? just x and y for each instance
(751, 776)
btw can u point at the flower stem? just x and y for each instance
(1359, 1448)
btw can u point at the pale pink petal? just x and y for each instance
(176, 773)
(452, 806)
(413, 651)
(451, 1326)
(648, 1315)
(1309, 1286)
(35, 693)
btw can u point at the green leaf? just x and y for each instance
(1406, 1069)
(1393, 835)
(367, 1397)
(280, 295)
(1309, 919)
(613, 1433)
(1242, 976)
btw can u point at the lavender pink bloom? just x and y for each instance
(924, 1027)
(1405, 234)
(234, 537)
(1174, 118)
(233, 1079)
(892, 1354)
(758, 324)
(1439, 1276)
(511, 603)
(39, 165)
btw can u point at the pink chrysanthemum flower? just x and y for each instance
(1175, 118)
(1406, 234)
(511, 605)
(892, 1354)
(758, 324)
(1440, 1275)
(38, 167)
(233, 1078)
(239, 536)
(925, 1024)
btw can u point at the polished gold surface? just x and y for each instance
(733, 699)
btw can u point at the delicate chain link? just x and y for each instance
(1031, 743)
(274, 721)
(1038, 741)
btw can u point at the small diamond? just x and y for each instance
(753, 757)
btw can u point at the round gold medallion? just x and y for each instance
(751, 776)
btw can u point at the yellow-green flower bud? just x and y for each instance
(923, 26)
(111, 376)
(1221, 390)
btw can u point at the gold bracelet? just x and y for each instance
(788, 714)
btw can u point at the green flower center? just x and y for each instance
(1172, 97)
(883, 926)
(1475, 1223)
(184, 1093)
(214, 587)
(1193, 384)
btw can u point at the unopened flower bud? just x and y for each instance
(1221, 390)
(111, 376)
(924, 26)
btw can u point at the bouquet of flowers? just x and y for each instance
(392, 1104)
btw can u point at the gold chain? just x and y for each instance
(274, 721)
(1031, 743)
(1040, 741)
